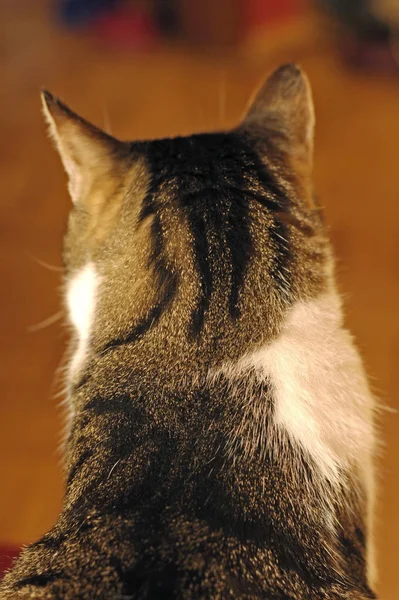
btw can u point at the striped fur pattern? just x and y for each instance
(221, 435)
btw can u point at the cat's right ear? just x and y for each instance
(284, 105)
(87, 153)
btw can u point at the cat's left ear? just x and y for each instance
(88, 154)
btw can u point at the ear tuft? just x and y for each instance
(47, 98)
(47, 101)
(53, 109)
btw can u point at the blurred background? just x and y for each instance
(146, 68)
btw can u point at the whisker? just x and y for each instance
(106, 120)
(46, 323)
(45, 264)
(222, 98)
(110, 473)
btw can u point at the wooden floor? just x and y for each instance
(164, 93)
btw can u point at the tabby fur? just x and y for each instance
(221, 436)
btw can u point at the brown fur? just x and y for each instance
(177, 484)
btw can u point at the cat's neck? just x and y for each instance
(308, 385)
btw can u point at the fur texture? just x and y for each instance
(321, 395)
(222, 435)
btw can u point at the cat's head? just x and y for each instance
(187, 252)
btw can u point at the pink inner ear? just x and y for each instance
(75, 178)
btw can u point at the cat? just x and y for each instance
(221, 429)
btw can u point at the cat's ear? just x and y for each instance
(284, 104)
(88, 154)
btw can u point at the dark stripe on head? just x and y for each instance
(147, 207)
(211, 191)
(151, 319)
(167, 279)
(218, 175)
(213, 178)
(201, 252)
(274, 199)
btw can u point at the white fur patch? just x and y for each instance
(81, 301)
(321, 395)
